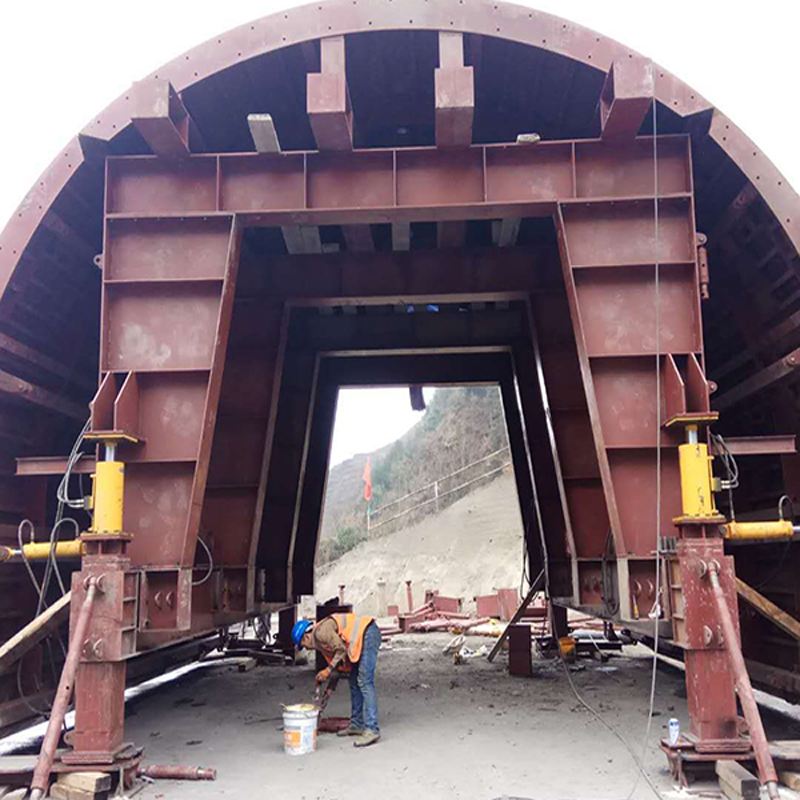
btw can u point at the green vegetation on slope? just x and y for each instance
(460, 426)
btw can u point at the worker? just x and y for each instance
(350, 644)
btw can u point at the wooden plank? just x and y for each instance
(768, 609)
(790, 779)
(34, 632)
(731, 793)
(741, 783)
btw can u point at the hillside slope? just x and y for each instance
(460, 426)
(470, 548)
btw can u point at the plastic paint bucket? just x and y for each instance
(300, 729)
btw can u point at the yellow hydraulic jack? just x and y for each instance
(108, 491)
(698, 485)
(697, 482)
(105, 503)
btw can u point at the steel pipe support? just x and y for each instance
(758, 738)
(66, 684)
(176, 772)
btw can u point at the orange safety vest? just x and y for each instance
(351, 629)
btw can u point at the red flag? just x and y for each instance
(367, 478)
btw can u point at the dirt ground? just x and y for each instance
(473, 547)
(448, 731)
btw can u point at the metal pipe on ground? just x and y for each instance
(66, 684)
(758, 738)
(176, 772)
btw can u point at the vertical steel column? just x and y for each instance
(709, 680)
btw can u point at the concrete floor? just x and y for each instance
(448, 731)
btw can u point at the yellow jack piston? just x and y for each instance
(38, 551)
(776, 529)
(107, 495)
(696, 481)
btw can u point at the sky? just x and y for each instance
(367, 419)
(63, 62)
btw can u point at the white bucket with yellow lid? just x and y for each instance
(300, 723)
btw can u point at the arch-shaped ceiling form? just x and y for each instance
(59, 187)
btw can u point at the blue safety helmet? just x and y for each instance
(299, 630)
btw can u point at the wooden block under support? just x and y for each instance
(87, 781)
(61, 791)
(736, 782)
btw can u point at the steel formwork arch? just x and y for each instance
(308, 23)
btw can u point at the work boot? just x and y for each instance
(351, 731)
(366, 738)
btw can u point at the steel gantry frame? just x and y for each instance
(199, 456)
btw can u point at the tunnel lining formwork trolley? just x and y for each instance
(353, 194)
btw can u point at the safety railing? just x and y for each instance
(435, 490)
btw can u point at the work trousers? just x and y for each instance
(363, 697)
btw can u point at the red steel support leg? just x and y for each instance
(99, 713)
(41, 775)
(100, 688)
(766, 768)
(709, 680)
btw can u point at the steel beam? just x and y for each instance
(760, 381)
(759, 445)
(161, 117)
(328, 98)
(627, 94)
(14, 387)
(405, 185)
(454, 90)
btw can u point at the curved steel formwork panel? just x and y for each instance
(223, 295)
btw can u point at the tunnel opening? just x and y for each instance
(436, 505)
